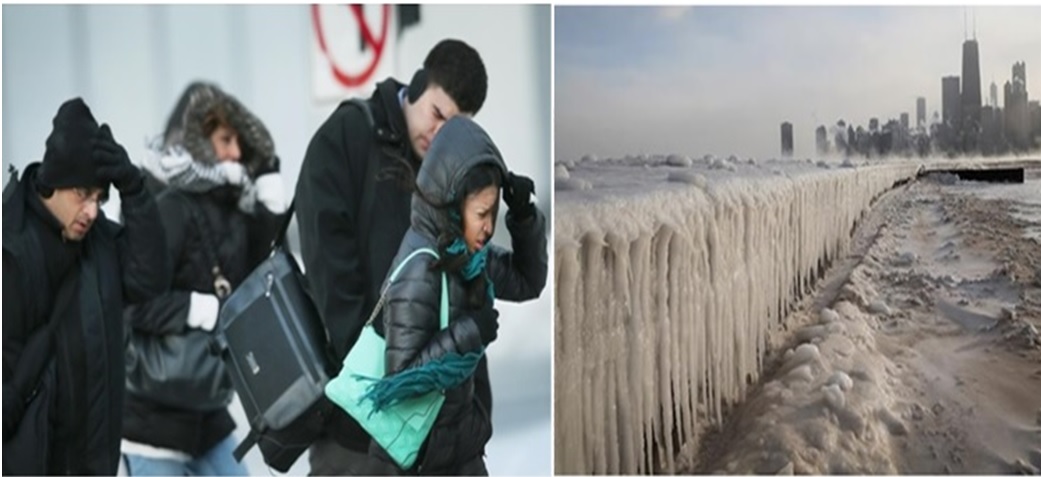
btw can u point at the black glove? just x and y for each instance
(113, 163)
(487, 321)
(268, 166)
(517, 194)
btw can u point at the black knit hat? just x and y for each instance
(67, 161)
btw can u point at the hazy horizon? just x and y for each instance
(720, 80)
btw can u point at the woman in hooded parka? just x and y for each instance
(221, 201)
(454, 210)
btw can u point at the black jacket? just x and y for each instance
(194, 223)
(201, 228)
(411, 318)
(345, 266)
(118, 264)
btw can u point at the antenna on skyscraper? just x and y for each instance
(965, 18)
(974, 25)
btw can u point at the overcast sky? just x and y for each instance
(720, 80)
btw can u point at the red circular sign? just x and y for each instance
(376, 43)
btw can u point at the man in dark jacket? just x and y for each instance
(348, 240)
(68, 271)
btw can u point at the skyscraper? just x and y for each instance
(952, 102)
(970, 94)
(1017, 115)
(905, 121)
(994, 95)
(920, 112)
(822, 140)
(787, 144)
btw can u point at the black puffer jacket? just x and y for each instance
(118, 264)
(411, 321)
(201, 228)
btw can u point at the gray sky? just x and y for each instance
(720, 80)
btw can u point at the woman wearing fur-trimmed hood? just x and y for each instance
(221, 201)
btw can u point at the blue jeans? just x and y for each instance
(216, 461)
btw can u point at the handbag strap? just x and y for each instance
(221, 285)
(394, 276)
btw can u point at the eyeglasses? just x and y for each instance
(85, 195)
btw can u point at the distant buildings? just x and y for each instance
(787, 143)
(920, 113)
(960, 125)
(1017, 114)
(822, 141)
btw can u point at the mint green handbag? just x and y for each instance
(402, 427)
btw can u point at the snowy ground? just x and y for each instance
(677, 277)
(919, 353)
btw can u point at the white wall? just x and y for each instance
(131, 62)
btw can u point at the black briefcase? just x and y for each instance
(274, 346)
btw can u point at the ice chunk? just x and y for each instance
(834, 396)
(561, 172)
(828, 315)
(879, 307)
(842, 379)
(823, 165)
(801, 373)
(679, 161)
(805, 353)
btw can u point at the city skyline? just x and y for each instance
(627, 78)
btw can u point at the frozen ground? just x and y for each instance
(919, 353)
(677, 277)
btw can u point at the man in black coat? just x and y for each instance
(68, 271)
(347, 240)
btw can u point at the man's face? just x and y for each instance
(76, 208)
(426, 116)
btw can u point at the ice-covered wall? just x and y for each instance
(667, 281)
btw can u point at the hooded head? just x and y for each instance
(68, 160)
(202, 112)
(441, 186)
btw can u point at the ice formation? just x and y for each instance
(665, 294)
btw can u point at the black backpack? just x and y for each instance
(274, 345)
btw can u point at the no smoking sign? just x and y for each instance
(353, 49)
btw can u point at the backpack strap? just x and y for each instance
(368, 191)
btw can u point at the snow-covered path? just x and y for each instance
(929, 360)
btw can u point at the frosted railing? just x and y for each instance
(664, 299)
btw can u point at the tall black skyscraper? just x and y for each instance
(920, 112)
(1017, 115)
(952, 102)
(970, 94)
(787, 144)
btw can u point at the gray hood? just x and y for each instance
(459, 146)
